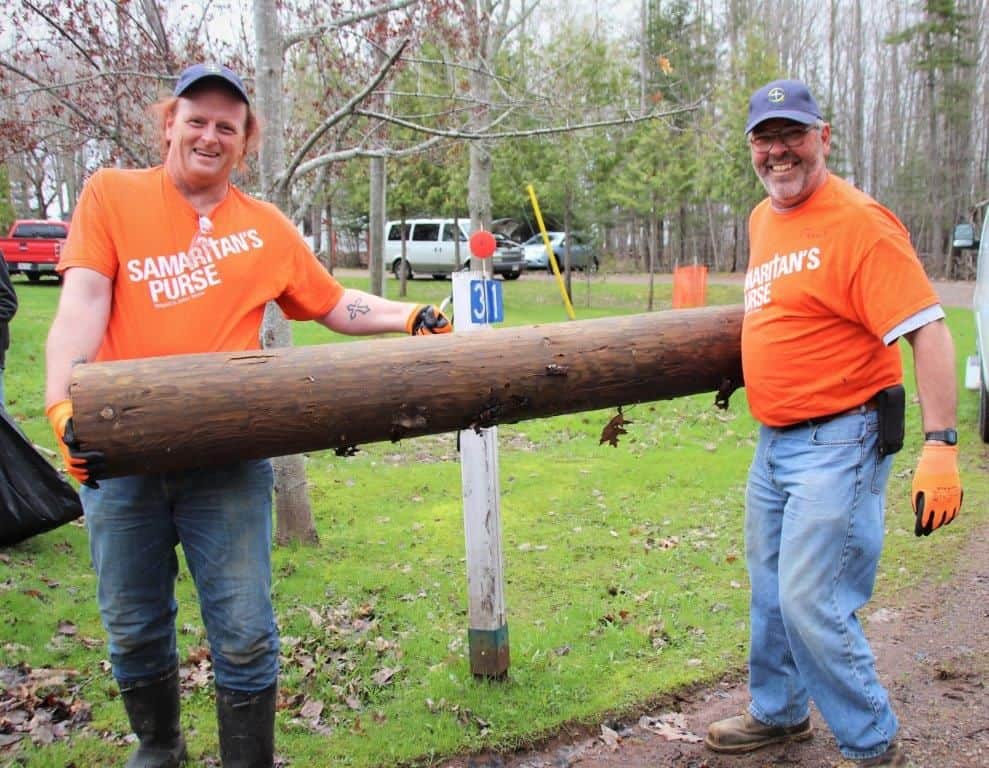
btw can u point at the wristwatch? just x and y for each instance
(946, 436)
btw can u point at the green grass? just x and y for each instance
(624, 567)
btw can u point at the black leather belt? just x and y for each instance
(869, 405)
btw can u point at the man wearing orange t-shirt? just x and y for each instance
(832, 284)
(176, 260)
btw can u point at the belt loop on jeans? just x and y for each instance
(869, 405)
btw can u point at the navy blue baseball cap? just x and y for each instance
(198, 72)
(789, 99)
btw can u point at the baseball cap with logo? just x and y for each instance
(789, 99)
(198, 72)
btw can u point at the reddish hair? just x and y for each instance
(164, 110)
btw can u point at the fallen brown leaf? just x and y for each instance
(67, 628)
(384, 675)
(671, 726)
(614, 429)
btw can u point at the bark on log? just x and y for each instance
(169, 413)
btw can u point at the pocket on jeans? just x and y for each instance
(880, 476)
(841, 431)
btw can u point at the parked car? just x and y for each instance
(508, 260)
(439, 247)
(964, 236)
(582, 254)
(32, 247)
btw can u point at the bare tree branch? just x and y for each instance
(456, 65)
(160, 37)
(520, 20)
(306, 34)
(122, 7)
(198, 26)
(285, 178)
(58, 28)
(305, 204)
(350, 154)
(113, 136)
(480, 135)
(45, 88)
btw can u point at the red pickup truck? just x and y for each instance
(32, 247)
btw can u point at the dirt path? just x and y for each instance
(955, 293)
(932, 646)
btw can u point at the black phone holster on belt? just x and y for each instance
(891, 405)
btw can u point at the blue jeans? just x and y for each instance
(813, 535)
(222, 519)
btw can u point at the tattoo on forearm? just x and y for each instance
(357, 307)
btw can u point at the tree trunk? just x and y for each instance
(292, 508)
(160, 414)
(682, 219)
(403, 278)
(652, 246)
(488, 22)
(859, 108)
(376, 223)
(331, 236)
(316, 225)
(935, 246)
(642, 242)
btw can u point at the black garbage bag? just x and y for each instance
(33, 497)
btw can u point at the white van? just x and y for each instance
(432, 246)
(439, 247)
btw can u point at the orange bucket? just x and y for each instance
(689, 286)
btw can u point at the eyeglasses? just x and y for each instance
(789, 137)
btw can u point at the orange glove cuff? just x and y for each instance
(58, 416)
(412, 318)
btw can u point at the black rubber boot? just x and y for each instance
(247, 727)
(153, 710)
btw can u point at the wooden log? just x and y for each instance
(169, 413)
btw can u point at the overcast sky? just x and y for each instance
(613, 16)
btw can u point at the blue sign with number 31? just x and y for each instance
(487, 304)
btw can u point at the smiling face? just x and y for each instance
(206, 138)
(791, 174)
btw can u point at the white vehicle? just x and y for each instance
(432, 246)
(439, 247)
(977, 374)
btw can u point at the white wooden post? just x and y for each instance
(487, 631)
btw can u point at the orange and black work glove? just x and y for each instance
(426, 319)
(82, 465)
(937, 489)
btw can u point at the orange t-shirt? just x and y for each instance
(173, 295)
(825, 283)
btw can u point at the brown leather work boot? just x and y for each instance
(743, 733)
(894, 756)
